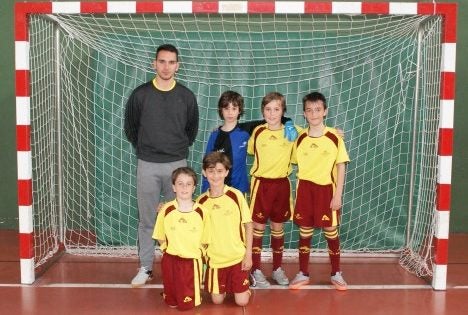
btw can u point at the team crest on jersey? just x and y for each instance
(187, 299)
(272, 138)
(326, 153)
(216, 207)
(325, 218)
(182, 220)
(313, 146)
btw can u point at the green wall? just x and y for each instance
(8, 207)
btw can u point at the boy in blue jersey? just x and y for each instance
(231, 138)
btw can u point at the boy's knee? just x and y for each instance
(218, 298)
(242, 299)
(242, 302)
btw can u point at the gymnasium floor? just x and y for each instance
(86, 285)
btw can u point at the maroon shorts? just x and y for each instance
(230, 279)
(182, 281)
(270, 199)
(313, 205)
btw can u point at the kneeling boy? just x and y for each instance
(229, 252)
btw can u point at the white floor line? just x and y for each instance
(273, 287)
(356, 287)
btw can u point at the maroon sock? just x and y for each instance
(334, 253)
(304, 253)
(256, 248)
(277, 246)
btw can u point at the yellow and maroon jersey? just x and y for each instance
(316, 157)
(271, 151)
(183, 232)
(227, 215)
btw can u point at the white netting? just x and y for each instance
(379, 73)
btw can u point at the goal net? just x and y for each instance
(380, 74)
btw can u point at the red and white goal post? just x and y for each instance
(387, 69)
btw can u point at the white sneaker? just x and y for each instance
(144, 275)
(280, 277)
(299, 280)
(338, 281)
(258, 280)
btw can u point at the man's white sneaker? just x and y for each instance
(280, 277)
(258, 280)
(144, 275)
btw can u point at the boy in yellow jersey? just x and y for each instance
(270, 192)
(321, 159)
(180, 230)
(229, 251)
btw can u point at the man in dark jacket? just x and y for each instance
(161, 122)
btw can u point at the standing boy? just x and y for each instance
(270, 187)
(180, 230)
(161, 122)
(320, 155)
(229, 252)
(231, 138)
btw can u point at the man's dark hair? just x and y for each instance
(168, 47)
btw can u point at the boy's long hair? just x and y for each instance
(230, 97)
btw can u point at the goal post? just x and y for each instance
(387, 70)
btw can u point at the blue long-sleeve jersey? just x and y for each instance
(234, 144)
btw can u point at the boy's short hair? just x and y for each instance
(211, 159)
(167, 47)
(230, 97)
(184, 170)
(314, 97)
(274, 96)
